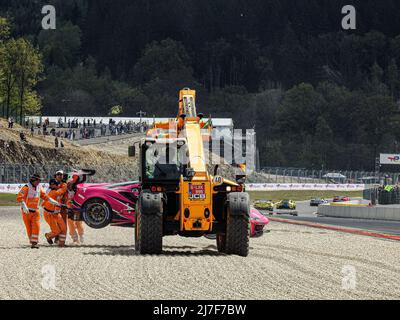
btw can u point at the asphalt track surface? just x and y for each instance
(308, 214)
(288, 262)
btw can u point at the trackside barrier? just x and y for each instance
(303, 186)
(14, 188)
(360, 212)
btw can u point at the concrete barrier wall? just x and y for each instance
(374, 213)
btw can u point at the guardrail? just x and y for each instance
(303, 186)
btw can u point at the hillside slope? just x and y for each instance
(41, 153)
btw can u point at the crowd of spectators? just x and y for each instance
(73, 129)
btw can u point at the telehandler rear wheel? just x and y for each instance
(238, 224)
(149, 223)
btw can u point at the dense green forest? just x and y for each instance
(317, 95)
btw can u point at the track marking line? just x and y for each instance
(339, 229)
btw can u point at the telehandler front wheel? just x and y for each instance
(237, 224)
(149, 223)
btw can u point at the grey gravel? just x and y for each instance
(289, 262)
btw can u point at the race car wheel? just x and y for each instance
(238, 224)
(149, 223)
(97, 213)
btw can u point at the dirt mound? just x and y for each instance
(40, 153)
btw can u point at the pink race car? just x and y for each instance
(257, 223)
(105, 203)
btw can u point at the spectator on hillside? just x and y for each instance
(10, 123)
(22, 137)
(56, 142)
(32, 130)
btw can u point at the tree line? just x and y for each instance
(20, 68)
(318, 96)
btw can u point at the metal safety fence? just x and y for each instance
(20, 173)
(295, 175)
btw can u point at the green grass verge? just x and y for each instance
(298, 195)
(8, 200)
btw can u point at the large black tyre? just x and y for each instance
(221, 243)
(149, 223)
(238, 224)
(97, 213)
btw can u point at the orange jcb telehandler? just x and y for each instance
(179, 196)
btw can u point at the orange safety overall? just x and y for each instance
(31, 196)
(75, 226)
(64, 210)
(53, 217)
